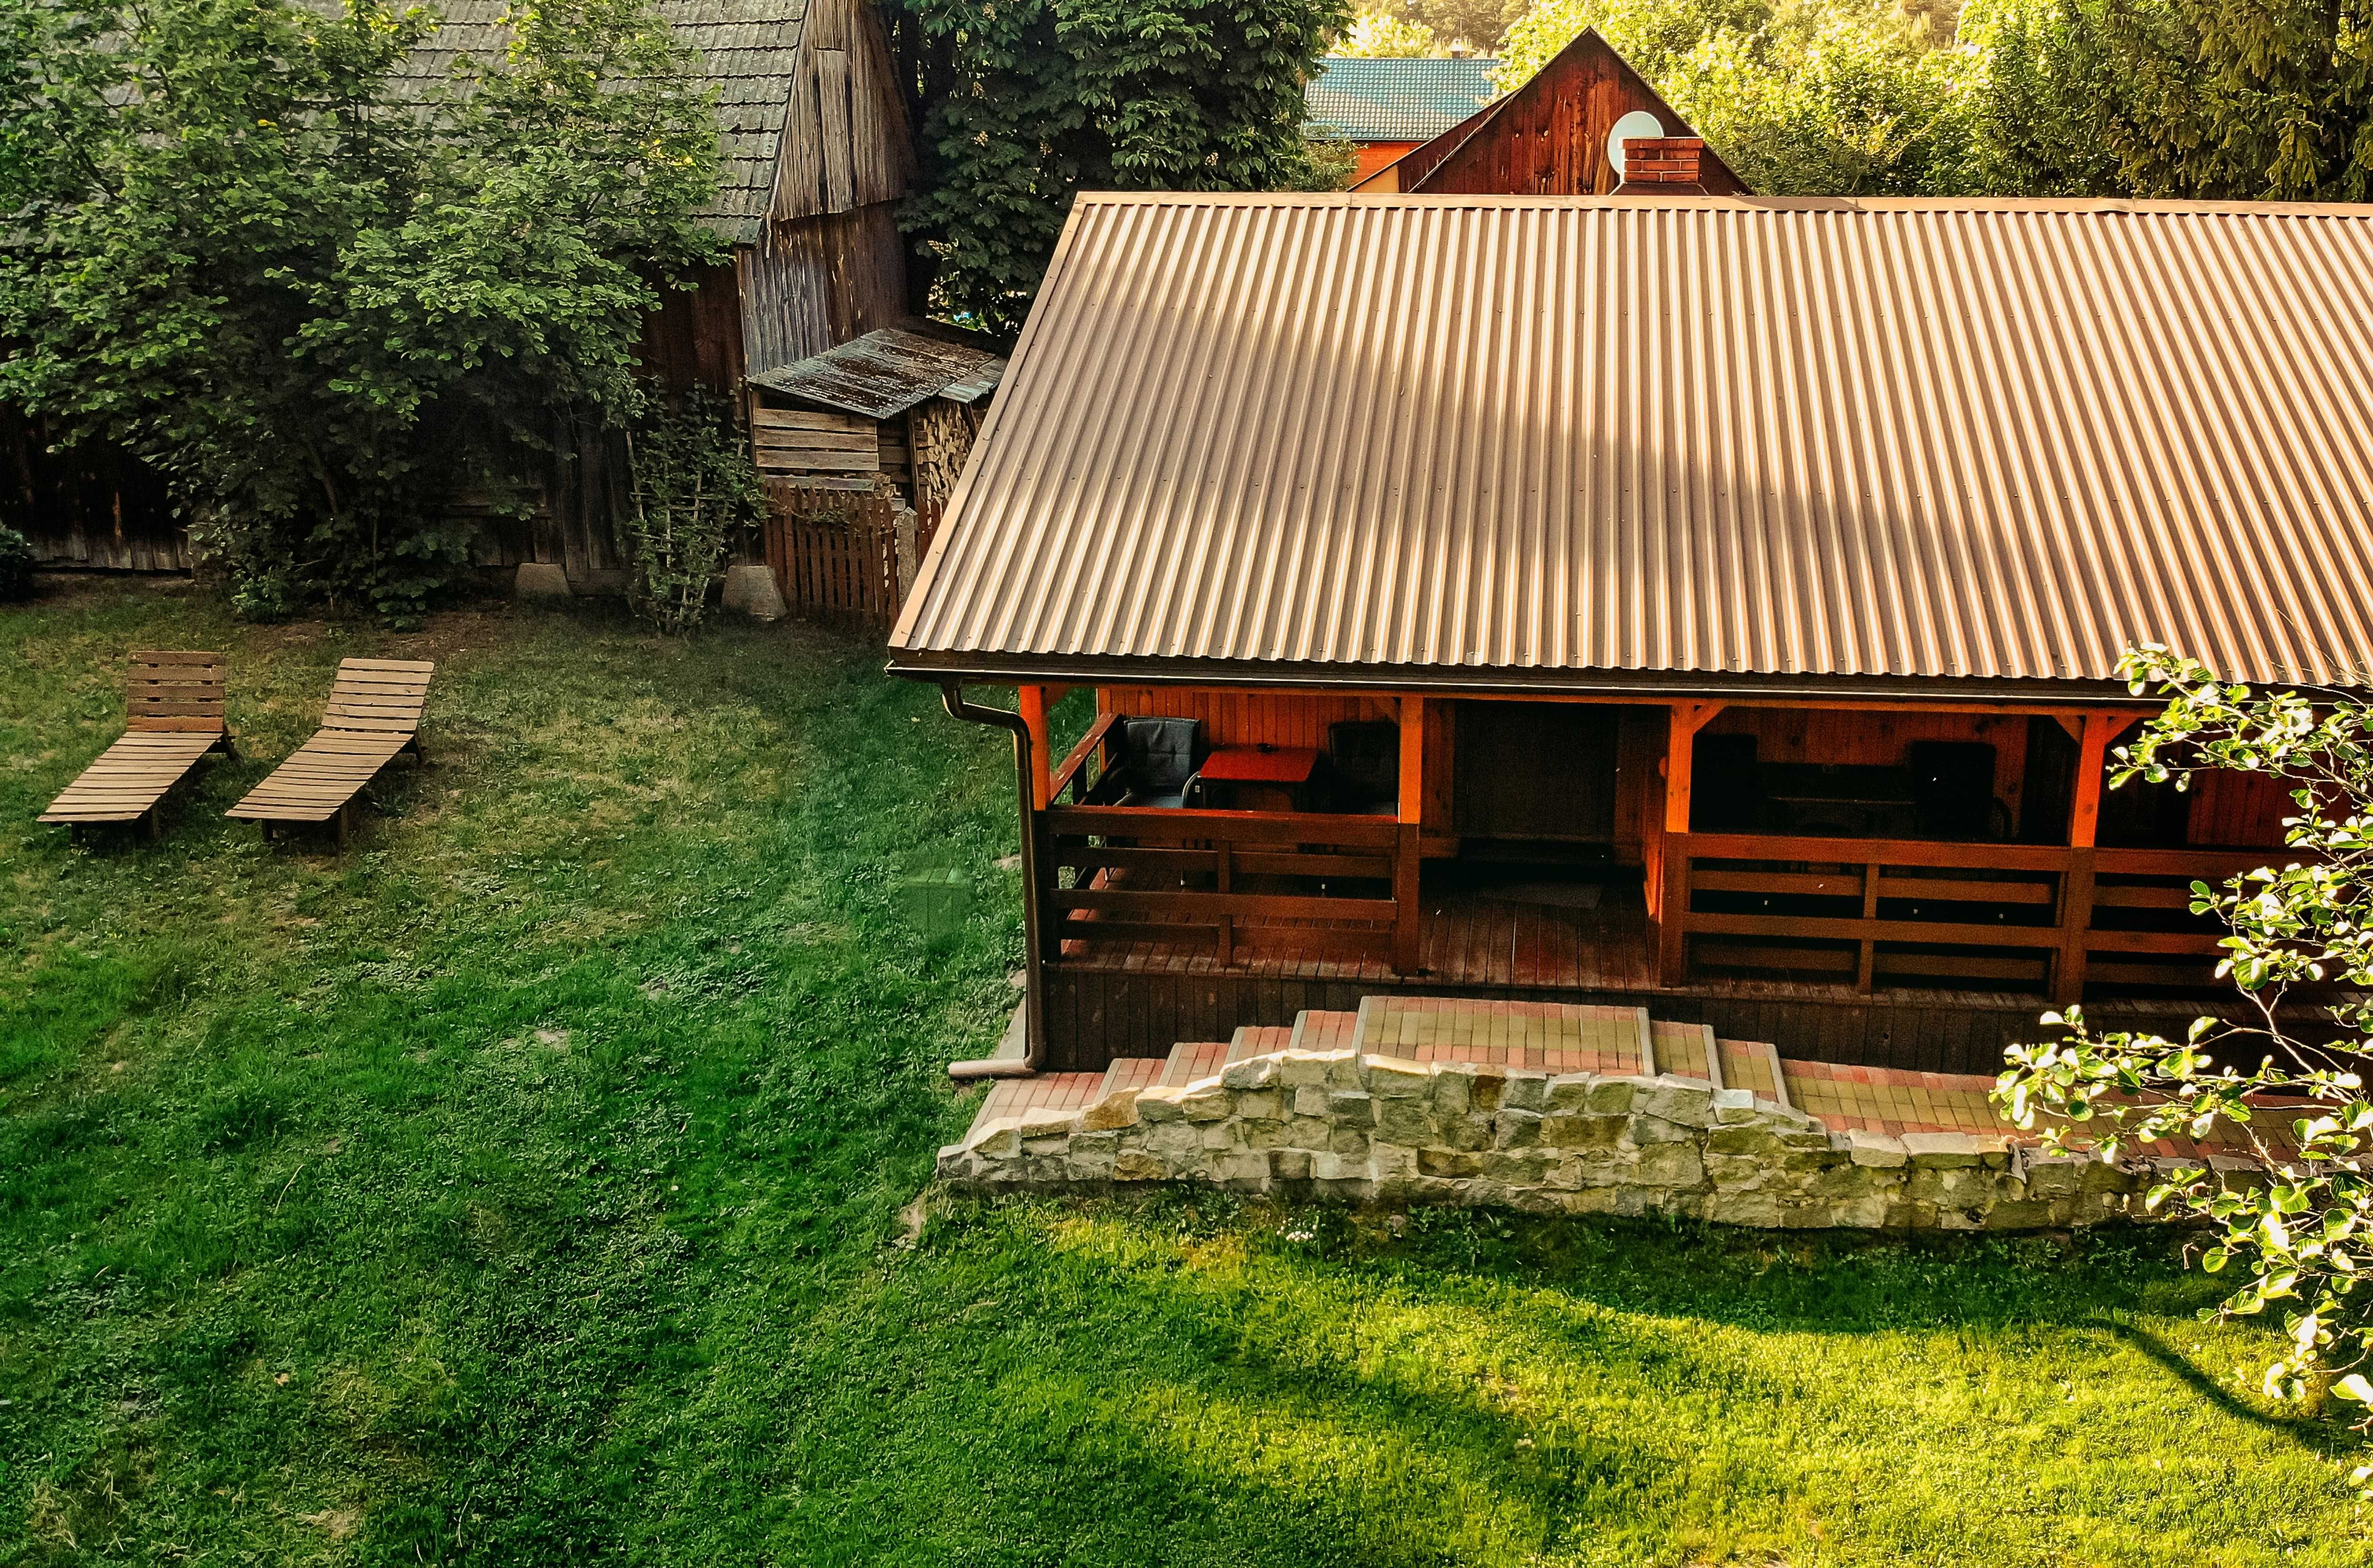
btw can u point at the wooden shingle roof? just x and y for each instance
(747, 51)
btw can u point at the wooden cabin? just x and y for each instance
(1675, 601)
(1386, 108)
(1561, 133)
(892, 413)
(816, 155)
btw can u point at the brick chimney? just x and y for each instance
(1662, 165)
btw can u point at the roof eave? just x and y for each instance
(1647, 685)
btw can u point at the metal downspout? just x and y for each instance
(1034, 1028)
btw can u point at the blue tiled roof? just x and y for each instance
(1396, 101)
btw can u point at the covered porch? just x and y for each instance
(1909, 882)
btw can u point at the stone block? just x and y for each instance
(1349, 1141)
(1301, 1068)
(1339, 1167)
(1389, 1078)
(1261, 1105)
(1206, 1102)
(1254, 1072)
(1136, 1164)
(1646, 1129)
(997, 1139)
(1173, 1139)
(1343, 1070)
(1734, 1105)
(1288, 1164)
(1115, 1109)
(1454, 1088)
(1569, 1092)
(1670, 1165)
(539, 579)
(1612, 1096)
(752, 591)
(1876, 1149)
(1404, 1121)
(1160, 1104)
(1489, 1086)
(1448, 1162)
(1751, 1141)
(2050, 1177)
(1472, 1131)
(1391, 1159)
(1525, 1091)
(1515, 1128)
(1519, 1167)
(1583, 1131)
(1351, 1108)
(1742, 1207)
(1220, 1134)
(1945, 1150)
(1676, 1100)
(1310, 1100)
(1265, 1134)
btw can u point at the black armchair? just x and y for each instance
(1157, 764)
(1363, 766)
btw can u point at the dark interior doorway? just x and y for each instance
(1540, 773)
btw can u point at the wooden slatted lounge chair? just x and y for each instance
(173, 716)
(373, 718)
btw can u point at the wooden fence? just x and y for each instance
(833, 556)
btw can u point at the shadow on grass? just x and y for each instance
(2311, 1432)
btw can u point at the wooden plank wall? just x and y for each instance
(844, 145)
(817, 282)
(820, 450)
(1279, 718)
(695, 336)
(2238, 809)
(1877, 737)
(92, 505)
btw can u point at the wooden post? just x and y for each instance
(1673, 898)
(1031, 701)
(1866, 961)
(1409, 949)
(2076, 882)
(1226, 853)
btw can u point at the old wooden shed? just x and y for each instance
(816, 153)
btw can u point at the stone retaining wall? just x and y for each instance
(1366, 1129)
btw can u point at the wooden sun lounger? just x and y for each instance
(173, 704)
(373, 716)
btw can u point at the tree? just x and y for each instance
(1379, 35)
(314, 290)
(2301, 1238)
(2246, 99)
(1802, 98)
(1027, 104)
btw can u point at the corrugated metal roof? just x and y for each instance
(1722, 439)
(887, 372)
(1394, 101)
(746, 51)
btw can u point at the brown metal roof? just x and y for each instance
(1696, 439)
(887, 371)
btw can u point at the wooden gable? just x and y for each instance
(1548, 137)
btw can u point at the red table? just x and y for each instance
(1259, 770)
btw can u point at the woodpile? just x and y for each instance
(939, 435)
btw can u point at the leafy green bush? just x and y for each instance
(695, 486)
(319, 290)
(1029, 102)
(16, 566)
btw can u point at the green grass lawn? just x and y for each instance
(533, 1184)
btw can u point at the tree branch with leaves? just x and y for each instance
(2298, 1228)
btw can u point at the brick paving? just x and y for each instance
(1545, 1036)
(1047, 1092)
(1681, 1049)
(1317, 1031)
(1190, 1059)
(1134, 1073)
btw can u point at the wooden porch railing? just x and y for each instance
(2038, 913)
(1153, 875)
(1141, 873)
